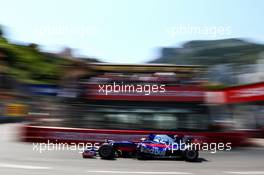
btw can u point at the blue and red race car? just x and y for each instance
(154, 146)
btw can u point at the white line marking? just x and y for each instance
(244, 172)
(5, 165)
(138, 172)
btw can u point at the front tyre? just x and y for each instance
(191, 155)
(106, 151)
(140, 155)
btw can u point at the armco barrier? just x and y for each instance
(76, 135)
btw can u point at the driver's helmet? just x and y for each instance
(142, 139)
(178, 136)
(151, 137)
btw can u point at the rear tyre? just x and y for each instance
(84, 156)
(191, 155)
(106, 151)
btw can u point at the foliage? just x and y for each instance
(27, 64)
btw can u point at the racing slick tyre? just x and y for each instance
(140, 155)
(106, 151)
(191, 155)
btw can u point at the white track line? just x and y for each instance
(5, 165)
(244, 172)
(139, 172)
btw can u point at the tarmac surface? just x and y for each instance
(18, 158)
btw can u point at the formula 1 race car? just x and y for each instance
(154, 146)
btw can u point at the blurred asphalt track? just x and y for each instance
(18, 158)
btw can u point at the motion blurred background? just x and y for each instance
(208, 54)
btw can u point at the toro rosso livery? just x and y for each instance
(154, 146)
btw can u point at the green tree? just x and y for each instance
(1, 32)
